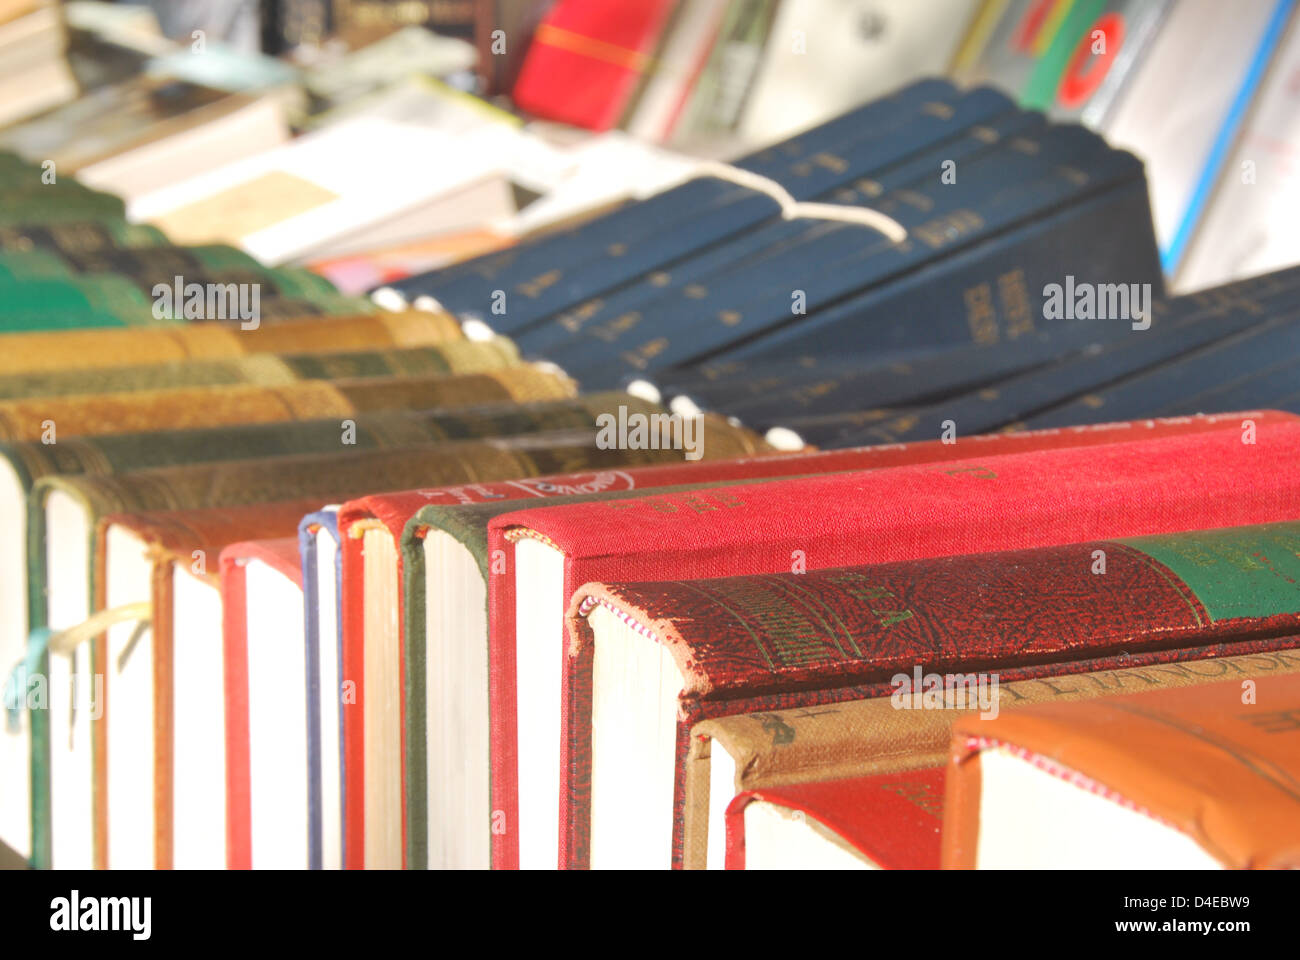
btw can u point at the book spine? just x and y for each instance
(994, 292)
(621, 246)
(1013, 402)
(1166, 386)
(327, 521)
(234, 629)
(603, 319)
(766, 311)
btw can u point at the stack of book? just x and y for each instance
(34, 72)
(864, 502)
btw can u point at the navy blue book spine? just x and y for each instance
(990, 292)
(589, 240)
(993, 195)
(1075, 388)
(1277, 387)
(1170, 386)
(540, 279)
(608, 317)
(902, 382)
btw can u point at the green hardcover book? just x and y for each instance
(103, 294)
(58, 303)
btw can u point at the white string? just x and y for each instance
(792, 209)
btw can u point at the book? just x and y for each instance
(50, 351)
(391, 59)
(964, 282)
(446, 359)
(322, 577)
(563, 547)
(153, 267)
(314, 197)
(1182, 778)
(717, 100)
(889, 821)
(517, 19)
(606, 319)
(450, 594)
(34, 76)
(79, 235)
(1076, 60)
(180, 408)
(1186, 148)
(874, 737)
(85, 504)
(616, 248)
(378, 267)
(852, 285)
(1078, 384)
(1240, 232)
(266, 679)
(690, 37)
(122, 544)
(147, 132)
(1164, 386)
(586, 61)
(1224, 593)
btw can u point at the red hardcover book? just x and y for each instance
(1014, 501)
(266, 751)
(892, 821)
(587, 60)
(923, 630)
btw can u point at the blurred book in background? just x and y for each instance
(34, 74)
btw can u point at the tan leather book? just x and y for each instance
(864, 738)
(1192, 778)
(46, 419)
(121, 347)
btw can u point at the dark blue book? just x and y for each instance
(1181, 329)
(860, 290)
(1172, 386)
(558, 271)
(902, 381)
(1276, 387)
(605, 318)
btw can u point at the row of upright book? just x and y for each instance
(865, 502)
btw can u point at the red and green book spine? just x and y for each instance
(788, 640)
